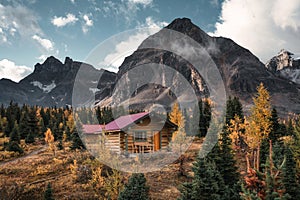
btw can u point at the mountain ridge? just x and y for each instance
(241, 71)
(51, 83)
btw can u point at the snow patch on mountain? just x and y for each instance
(94, 90)
(45, 88)
(293, 75)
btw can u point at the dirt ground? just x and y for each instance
(27, 177)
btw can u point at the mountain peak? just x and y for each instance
(52, 59)
(68, 60)
(51, 64)
(186, 26)
(180, 21)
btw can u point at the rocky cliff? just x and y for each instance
(51, 83)
(240, 69)
(284, 65)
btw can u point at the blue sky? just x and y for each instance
(31, 30)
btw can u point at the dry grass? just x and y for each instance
(28, 149)
(30, 176)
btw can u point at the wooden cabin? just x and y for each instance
(130, 134)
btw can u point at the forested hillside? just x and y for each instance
(256, 157)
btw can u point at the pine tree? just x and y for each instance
(23, 125)
(186, 190)
(10, 120)
(136, 188)
(15, 135)
(76, 142)
(222, 153)
(272, 179)
(275, 134)
(202, 123)
(42, 126)
(227, 164)
(187, 119)
(289, 175)
(264, 151)
(67, 133)
(233, 108)
(198, 120)
(206, 117)
(1, 126)
(290, 128)
(229, 111)
(295, 146)
(207, 182)
(276, 128)
(60, 145)
(14, 140)
(14, 146)
(48, 193)
(2, 110)
(29, 138)
(32, 123)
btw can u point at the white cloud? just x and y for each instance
(131, 43)
(63, 21)
(45, 43)
(8, 69)
(286, 14)
(264, 27)
(87, 23)
(142, 2)
(42, 58)
(19, 19)
(72, 1)
(150, 23)
(3, 38)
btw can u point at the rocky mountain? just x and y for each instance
(241, 72)
(51, 83)
(284, 65)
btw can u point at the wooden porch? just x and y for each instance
(145, 141)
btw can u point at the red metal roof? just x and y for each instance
(92, 128)
(117, 124)
(124, 121)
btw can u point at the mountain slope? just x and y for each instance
(240, 69)
(51, 83)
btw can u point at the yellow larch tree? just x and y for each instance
(176, 116)
(236, 128)
(49, 138)
(259, 125)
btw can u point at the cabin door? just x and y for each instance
(156, 141)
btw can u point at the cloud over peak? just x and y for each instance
(8, 69)
(264, 27)
(45, 43)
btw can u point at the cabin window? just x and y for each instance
(140, 136)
